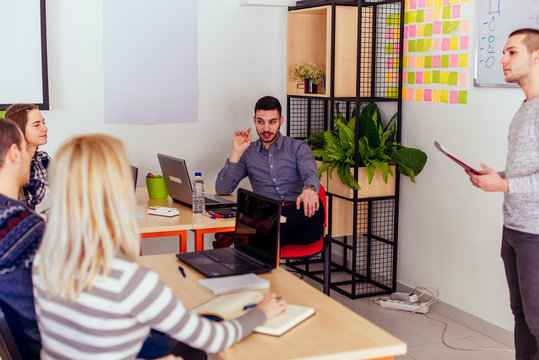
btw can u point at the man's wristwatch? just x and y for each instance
(310, 187)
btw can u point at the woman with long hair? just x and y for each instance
(92, 299)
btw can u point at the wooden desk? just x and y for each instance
(334, 332)
(156, 226)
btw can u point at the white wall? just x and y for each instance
(449, 232)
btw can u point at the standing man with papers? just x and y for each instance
(279, 167)
(520, 183)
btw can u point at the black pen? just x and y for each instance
(182, 270)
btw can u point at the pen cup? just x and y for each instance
(157, 189)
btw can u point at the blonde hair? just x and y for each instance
(92, 217)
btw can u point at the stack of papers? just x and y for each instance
(236, 283)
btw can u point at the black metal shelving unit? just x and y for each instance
(365, 262)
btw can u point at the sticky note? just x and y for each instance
(419, 95)
(404, 90)
(428, 62)
(420, 45)
(410, 94)
(464, 42)
(420, 30)
(411, 46)
(463, 97)
(404, 61)
(429, 3)
(419, 77)
(444, 96)
(397, 19)
(411, 77)
(449, 26)
(453, 78)
(427, 77)
(446, 2)
(396, 48)
(405, 32)
(463, 79)
(396, 63)
(405, 46)
(428, 44)
(392, 92)
(453, 97)
(389, 33)
(406, 4)
(404, 77)
(428, 30)
(435, 95)
(427, 94)
(436, 61)
(454, 45)
(465, 26)
(420, 15)
(437, 13)
(396, 34)
(389, 20)
(420, 62)
(406, 19)
(389, 63)
(455, 12)
(411, 62)
(412, 16)
(435, 43)
(389, 77)
(413, 4)
(446, 12)
(428, 15)
(445, 44)
(463, 60)
(389, 48)
(444, 63)
(453, 1)
(437, 27)
(438, 2)
(420, 3)
(436, 77)
(412, 31)
(444, 77)
(454, 60)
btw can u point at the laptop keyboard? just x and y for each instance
(232, 260)
(210, 201)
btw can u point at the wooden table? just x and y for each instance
(334, 332)
(156, 226)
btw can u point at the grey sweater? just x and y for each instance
(521, 203)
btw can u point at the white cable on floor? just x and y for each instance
(434, 297)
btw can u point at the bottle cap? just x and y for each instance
(198, 174)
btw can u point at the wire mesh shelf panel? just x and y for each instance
(306, 116)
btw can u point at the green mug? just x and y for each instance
(157, 188)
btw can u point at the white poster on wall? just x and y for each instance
(150, 61)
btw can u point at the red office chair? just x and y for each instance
(300, 254)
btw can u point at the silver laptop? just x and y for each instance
(256, 240)
(179, 186)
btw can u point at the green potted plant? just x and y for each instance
(311, 74)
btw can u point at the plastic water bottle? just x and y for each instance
(198, 194)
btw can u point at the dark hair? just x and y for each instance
(268, 103)
(531, 41)
(18, 113)
(10, 135)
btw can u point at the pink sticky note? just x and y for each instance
(435, 44)
(406, 32)
(406, 46)
(427, 95)
(419, 77)
(454, 60)
(413, 4)
(445, 44)
(437, 28)
(411, 62)
(396, 47)
(453, 97)
(464, 42)
(455, 12)
(464, 26)
(436, 61)
(420, 3)
(462, 79)
(410, 94)
(389, 64)
(446, 2)
(412, 31)
(389, 33)
(428, 15)
(404, 76)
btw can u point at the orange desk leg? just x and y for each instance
(384, 358)
(182, 234)
(199, 235)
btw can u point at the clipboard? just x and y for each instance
(445, 151)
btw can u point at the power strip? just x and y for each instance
(406, 297)
(402, 305)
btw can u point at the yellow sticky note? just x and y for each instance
(420, 62)
(444, 96)
(438, 2)
(463, 60)
(420, 30)
(453, 1)
(412, 15)
(388, 77)
(444, 77)
(437, 14)
(429, 3)
(454, 43)
(428, 44)
(419, 95)
(435, 95)
(406, 4)
(427, 77)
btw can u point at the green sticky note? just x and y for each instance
(427, 77)
(404, 61)
(397, 19)
(444, 78)
(420, 45)
(446, 12)
(392, 92)
(412, 16)
(428, 30)
(463, 97)
(389, 48)
(444, 61)
(463, 60)
(420, 15)
(390, 20)
(444, 96)
(449, 26)
(428, 44)
(453, 77)
(411, 77)
(436, 77)
(411, 46)
(406, 18)
(395, 63)
(428, 62)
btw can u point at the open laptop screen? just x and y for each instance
(258, 225)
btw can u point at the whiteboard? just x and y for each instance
(496, 19)
(23, 59)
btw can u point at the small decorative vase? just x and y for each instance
(310, 87)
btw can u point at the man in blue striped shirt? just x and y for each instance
(279, 167)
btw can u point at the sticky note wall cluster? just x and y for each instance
(436, 51)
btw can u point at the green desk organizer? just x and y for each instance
(157, 188)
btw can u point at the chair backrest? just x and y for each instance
(322, 196)
(8, 344)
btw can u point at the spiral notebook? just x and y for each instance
(235, 283)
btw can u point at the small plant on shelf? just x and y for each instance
(377, 147)
(311, 72)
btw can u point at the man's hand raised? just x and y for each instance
(241, 141)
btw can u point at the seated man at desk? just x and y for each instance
(279, 167)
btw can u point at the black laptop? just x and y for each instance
(256, 242)
(179, 186)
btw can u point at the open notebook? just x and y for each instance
(230, 306)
